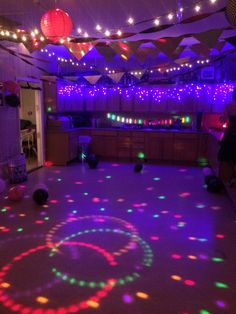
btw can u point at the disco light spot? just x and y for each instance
(85, 193)
(19, 229)
(221, 285)
(115, 165)
(129, 210)
(182, 170)
(176, 277)
(42, 300)
(184, 194)
(108, 177)
(217, 259)
(161, 197)
(150, 188)
(200, 206)
(96, 200)
(192, 257)
(189, 282)
(216, 207)
(127, 298)
(220, 304)
(156, 179)
(220, 236)
(156, 216)
(181, 224)
(5, 285)
(102, 209)
(93, 304)
(142, 295)
(120, 200)
(164, 212)
(154, 238)
(78, 182)
(177, 216)
(203, 311)
(54, 201)
(176, 256)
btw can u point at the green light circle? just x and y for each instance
(147, 260)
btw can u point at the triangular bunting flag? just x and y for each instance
(168, 45)
(122, 49)
(116, 77)
(106, 51)
(209, 38)
(78, 50)
(201, 50)
(92, 79)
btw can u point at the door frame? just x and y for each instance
(39, 112)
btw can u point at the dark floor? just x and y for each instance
(112, 241)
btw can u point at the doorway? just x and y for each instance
(31, 122)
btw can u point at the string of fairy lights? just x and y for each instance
(35, 35)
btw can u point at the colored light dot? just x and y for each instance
(155, 216)
(161, 197)
(93, 304)
(3, 210)
(156, 179)
(5, 285)
(42, 300)
(141, 155)
(108, 177)
(59, 179)
(192, 257)
(74, 211)
(142, 295)
(202, 239)
(221, 285)
(175, 277)
(85, 193)
(176, 256)
(203, 311)
(49, 109)
(46, 218)
(95, 199)
(217, 259)
(127, 298)
(200, 206)
(220, 303)
(129, 210)
(154, 238)
(20, 229)
(102, 209)
(189, 282)
(220, 236)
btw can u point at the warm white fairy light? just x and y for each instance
(36, 31)
(14, 36)
(213, 1)
(7, 33)
(197, 8)
(107, 33)
(86, 35)
(62, 41)
(156, 22)
(181, 10)
(79, 30)
(170, 16)
(24, 38)
(130, 21)
(119, 32)
(41, 38)
(98, 27)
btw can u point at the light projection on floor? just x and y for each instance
(106, 240)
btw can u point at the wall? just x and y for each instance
(12, 67)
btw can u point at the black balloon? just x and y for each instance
(92, 161)
(40, 196)
(138, 167)
(12, 100)
(214, 184)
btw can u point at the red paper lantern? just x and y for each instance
(56, 24)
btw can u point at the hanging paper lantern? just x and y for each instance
(231, 12)
(56, 24)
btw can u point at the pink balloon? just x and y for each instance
(15, 194)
